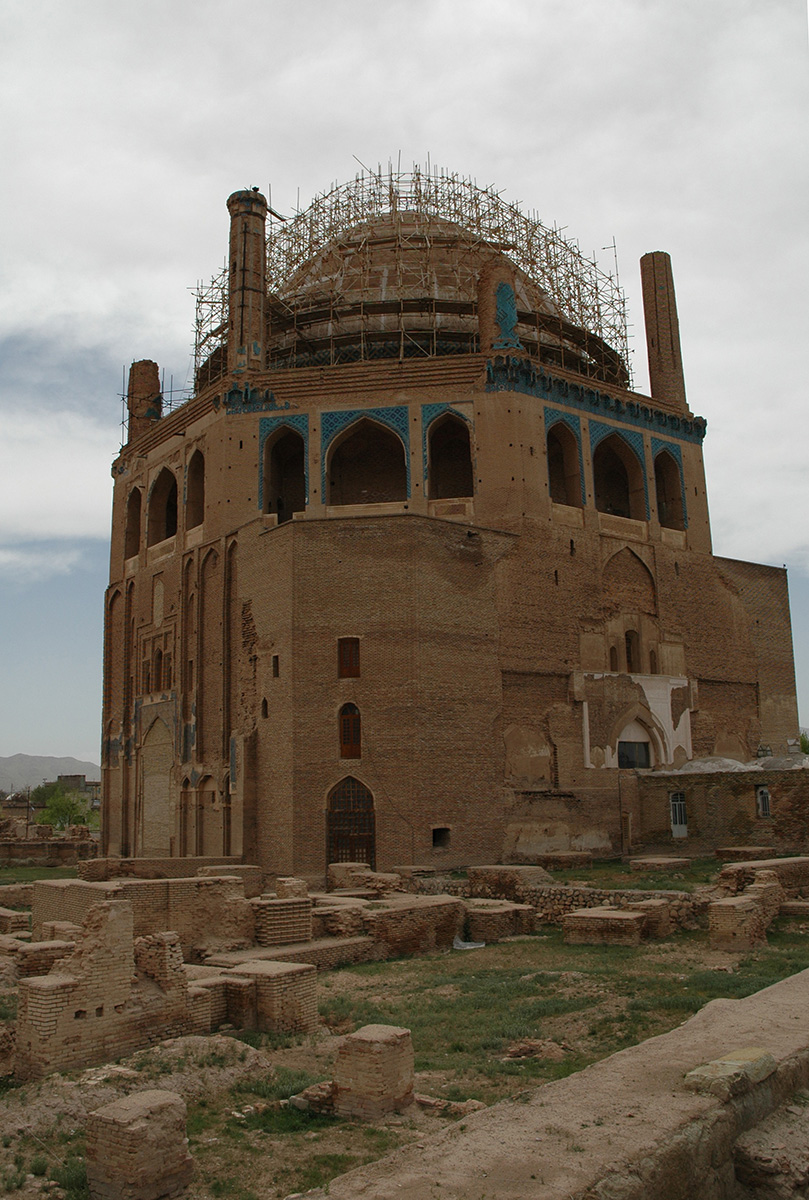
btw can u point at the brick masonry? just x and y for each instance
(137, 1148)
(512, 634)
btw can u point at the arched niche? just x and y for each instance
(195, 491)
(156, 758)
(284, 472)
(669, 491)
(132, 532)
(627, 585)
(618, 479)
(564, 476)
(350, 823)
(449, 457)
(367, 466)
(162, 521)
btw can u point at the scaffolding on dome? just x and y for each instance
(590, 304)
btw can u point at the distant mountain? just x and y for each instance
(29, 770)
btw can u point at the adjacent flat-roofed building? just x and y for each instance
(415, 575)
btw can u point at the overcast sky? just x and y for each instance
(678, 125)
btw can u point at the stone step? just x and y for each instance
(324, 953)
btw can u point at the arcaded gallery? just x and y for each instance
(414, 576)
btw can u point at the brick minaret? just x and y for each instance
(666, 380)
(144, 401)
(247, 289)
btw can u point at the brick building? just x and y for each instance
(414, 575)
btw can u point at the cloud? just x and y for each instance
(54, 476)
(25, 565)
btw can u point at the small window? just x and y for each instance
(634, 756)
(348, 658)
(632, 652)
(763, 802)
(441, 838)
(613, 658)
(679, 817)
(157, 681)
(350, 732)
(265, 712)
(276, 670)
(652, 663)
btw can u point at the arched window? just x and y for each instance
(162, 508)
(613, 658)
(157, 671)
(669, 491)
(132, 535)
(450, 459)
(634, 747)
(652, 663)
(564, 478)
(195, 491)
(350, 825)
(618, 480)
(350, 732)
(284, 475)
(367, 466)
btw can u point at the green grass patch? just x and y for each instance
(29, 874)
(280, 1084)
(616, 874)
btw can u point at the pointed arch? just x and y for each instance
(132, 533)
(618, 479)
(627, 584)
(564, 474)
(367, 465)
(162, 515)
(669, 491)
(350, 823)
(195, 491)
(284, 473)
(449, 459)
(637, 726)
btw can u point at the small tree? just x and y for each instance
(62, 808)
(805, 741)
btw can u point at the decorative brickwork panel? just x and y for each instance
(279, 922)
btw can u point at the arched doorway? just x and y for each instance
(367, 466)
(284, 475)
(450, 459)
(350, 823)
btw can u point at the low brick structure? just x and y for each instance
(284, 996)
(155, 868)
(373, 1074)
(743, 853)
(491, 920)
(740, 922)
(603, 926)
(505, 882)
(793, 874)
(137, 1148)
(251, 876)
(110, 996)
(287, 887)
(281, 921)
(658, 917)
(736, 923)
(16, 895)
(204, 912)
(12, 920)
(659, 863)
(406, 924)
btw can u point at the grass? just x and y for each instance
(617, 874)
(23, 874)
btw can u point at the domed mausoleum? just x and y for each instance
(414, 576)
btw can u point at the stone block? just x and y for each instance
(137, 1148)
(373, 1074)
(603, 926)
(733, 1074)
